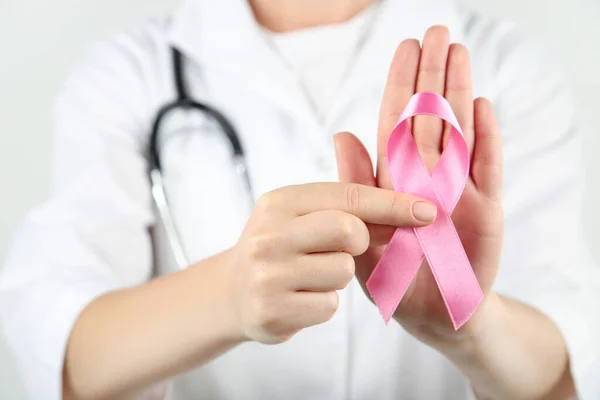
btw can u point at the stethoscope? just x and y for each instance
(185, 102)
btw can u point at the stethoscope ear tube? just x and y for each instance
(239, 163)
(160, 198)
(184, 102)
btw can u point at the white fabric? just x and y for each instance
(92, 236)
(321, 56)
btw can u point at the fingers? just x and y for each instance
(431, 78)
(486, 169)
(322, 272)
(305, 309)
(370, 204)
(353, 160)
(380, 234)
(459, 91)
(332, 230)
(399, 88)
(324, 231)
(354, 166)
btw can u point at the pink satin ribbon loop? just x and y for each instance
(438, 242)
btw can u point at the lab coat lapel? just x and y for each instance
(225, 34)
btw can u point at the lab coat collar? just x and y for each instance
(225, 33)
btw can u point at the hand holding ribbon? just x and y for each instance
(438, 243)
(472, 161)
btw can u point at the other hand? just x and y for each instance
(297, 250)
(445, 69)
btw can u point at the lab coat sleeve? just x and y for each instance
(91, 235)
(547, 263)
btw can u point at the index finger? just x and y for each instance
(370, 204)
(399, 88)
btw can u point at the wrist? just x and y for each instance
(509, 350)
(215, 297)
(468, 341)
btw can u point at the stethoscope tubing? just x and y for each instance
(184, 102)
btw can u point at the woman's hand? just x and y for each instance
(297, 250)
(281, 276)
(506, 348)
(444, 69)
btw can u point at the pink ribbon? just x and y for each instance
(438, 242)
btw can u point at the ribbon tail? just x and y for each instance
(395, 271)
(451, 268)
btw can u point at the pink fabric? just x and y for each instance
(439, 242)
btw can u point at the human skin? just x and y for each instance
(303, 243)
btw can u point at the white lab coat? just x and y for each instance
(93, 234)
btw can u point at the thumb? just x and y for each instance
(353, 160)
(355, 166)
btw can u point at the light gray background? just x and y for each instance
(41, 39)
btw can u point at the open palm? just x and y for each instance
(445, 69)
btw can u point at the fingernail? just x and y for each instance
(424, 211)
